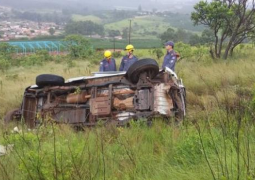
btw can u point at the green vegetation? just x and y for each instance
(139, 152)
(52, 31)
(95, 19)
(41, 17)
(232, 22)
(182, 21)
(121, 44)
(215, 142)
(78, 46)
(84, 28)
(142, 27)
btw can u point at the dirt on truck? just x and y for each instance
(143, 92)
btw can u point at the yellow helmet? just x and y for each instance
(107, 54)
(130, 47)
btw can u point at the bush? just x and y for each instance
(4, 64)
(39, 58)
(78, 46)
(185, 50)
(116, 54)
(158, 53)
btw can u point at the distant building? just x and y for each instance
(118, 37)
(20, 36)
(28, 29)
(96, 36)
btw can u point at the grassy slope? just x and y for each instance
(140, 152)
(139, 25)
(92, 18)
(149, 24)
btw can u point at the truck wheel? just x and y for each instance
(49, 80)
(144, 65)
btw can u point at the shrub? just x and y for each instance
(78, 46)
(4, 64)
(116, 54)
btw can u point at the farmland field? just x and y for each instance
(141, 25)
(92, 18)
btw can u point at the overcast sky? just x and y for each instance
(172, 5)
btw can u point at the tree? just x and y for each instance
(168, 35)
(182, 36)
(4, 63)
(207, 37)
(185, 50)
(114, 33)
(6, 50)
(158, 52)
(232, 21)
(52, 31)
(78, 46)
(176, 36)
(6, 59)
(195, 39)
(84, 28)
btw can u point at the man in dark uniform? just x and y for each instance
(108, 63)
(129, 59)
(171, 57)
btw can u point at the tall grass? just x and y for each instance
(203, 150)
(216, 141)
(138, 152)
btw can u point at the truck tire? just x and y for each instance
(49, 80)
(144, 65)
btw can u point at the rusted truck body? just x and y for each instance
(144, 92)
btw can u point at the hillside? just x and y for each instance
(143, 27)
(95, 19)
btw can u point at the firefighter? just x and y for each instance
(171, 56)
(108, 63)
(129, 59)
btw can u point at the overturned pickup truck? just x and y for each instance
(143, 92)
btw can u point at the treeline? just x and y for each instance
(116, 15)
(84, 28)
(58, 18)
(107, 16)
(89, 28)
(180, 35)
(181, 21)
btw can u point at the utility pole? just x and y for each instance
(114, 44)
(129, 38)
